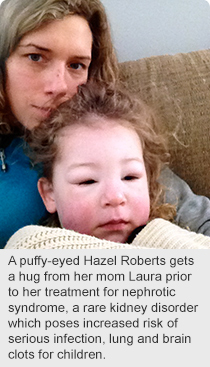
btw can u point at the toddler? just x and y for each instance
(101, 155)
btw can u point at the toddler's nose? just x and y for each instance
(113, 195)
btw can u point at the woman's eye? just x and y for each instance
(35, 57)
(76, 66)
(87, 182)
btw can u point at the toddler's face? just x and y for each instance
(99, 183)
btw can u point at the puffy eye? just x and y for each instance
(35, 57)
(130, 178)
(87, 182)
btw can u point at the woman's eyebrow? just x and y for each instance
(41, 48)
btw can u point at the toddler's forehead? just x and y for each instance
(97, 132)
(94, 128)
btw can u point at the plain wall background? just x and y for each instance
(143, 28)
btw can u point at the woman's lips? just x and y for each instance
(43, 111)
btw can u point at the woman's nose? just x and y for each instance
(113, 195)
(57, 82)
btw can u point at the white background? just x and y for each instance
(144, 28)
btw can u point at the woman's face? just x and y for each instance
(47, 67)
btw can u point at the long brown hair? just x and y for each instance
(109, 102)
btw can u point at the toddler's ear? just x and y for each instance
(46, 191)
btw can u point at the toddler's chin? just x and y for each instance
(116, 237)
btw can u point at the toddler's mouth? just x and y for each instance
(114, 225)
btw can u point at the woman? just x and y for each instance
(47, 49)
